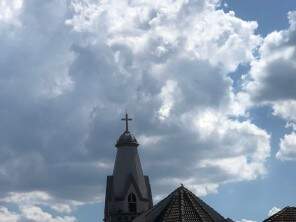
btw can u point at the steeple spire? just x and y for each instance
(126, 138)
(128, 191)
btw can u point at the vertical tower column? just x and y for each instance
(128, 192)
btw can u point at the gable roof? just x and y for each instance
(182, 205)
(288, 214)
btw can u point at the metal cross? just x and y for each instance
(126, 119)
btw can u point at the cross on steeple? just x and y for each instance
(126, 119)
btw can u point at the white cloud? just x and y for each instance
(292, 19)
(285, 109)
(156, 30)
(241, 159)
(9, 11)
(246, 220)
(39, 198)
(272, 80)
(36, 214)
(212, 151)
(168, 96)
(7, 216)
(149, 141)
(76, 71)
(287, 149)
(273, 73)
(273, 211)
(32, 214)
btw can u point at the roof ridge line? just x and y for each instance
(202, 207)
(181, 216)
(193, 205)
(168, 209)
(159, 203)
(274, 216)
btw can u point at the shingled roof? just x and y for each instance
(288, 214)
(182, 206)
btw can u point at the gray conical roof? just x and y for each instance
(182, 206)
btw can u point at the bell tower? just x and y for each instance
(128, 192)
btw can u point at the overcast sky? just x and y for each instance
(210, 85)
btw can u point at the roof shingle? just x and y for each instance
(288, 214)
(182, 206)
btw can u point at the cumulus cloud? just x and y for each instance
(38, 198)
(285, 109)
(73, 67)
(272, 75)
(8, 216)
(30, 207)
(32, 214)
(10, 10)
(287, 149)
(272, 79)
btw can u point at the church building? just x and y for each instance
(129, 198)
(128, 192)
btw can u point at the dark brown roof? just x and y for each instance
(288, 214)
(183, 206)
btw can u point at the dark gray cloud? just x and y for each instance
(279, 84)
(70, 69)
(273, 81)
(274, 74)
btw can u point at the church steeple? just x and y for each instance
(126, 138)
(128, 192)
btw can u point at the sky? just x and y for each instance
(210, 85)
